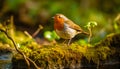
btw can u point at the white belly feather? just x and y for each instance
(66, 33)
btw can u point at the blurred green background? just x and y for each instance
(29, 14)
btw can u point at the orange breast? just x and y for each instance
(58, 23)
(58, 26)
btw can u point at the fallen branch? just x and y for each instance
(37, 31)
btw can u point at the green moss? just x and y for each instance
(62, 55)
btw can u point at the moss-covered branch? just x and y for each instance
(60, 55)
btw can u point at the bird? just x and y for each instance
(66, 28)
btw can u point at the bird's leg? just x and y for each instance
(64, 41)
(69, 41)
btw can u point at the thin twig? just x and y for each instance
(26, 58)
(33, 63)
(28, 64)
(37, 31)
(26, 33)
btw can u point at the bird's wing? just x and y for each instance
(73, 25)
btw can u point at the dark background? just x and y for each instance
(28, 14)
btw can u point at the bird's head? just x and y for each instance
(60, 18)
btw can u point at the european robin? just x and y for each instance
(65, 28)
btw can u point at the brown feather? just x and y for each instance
(76, 27)
(73, 25)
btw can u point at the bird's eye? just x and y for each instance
(59, 16)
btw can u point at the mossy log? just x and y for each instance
(61, 56)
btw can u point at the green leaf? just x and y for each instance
(55, 35)
(48, 35)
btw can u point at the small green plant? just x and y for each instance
(89, 26)
(51, 35)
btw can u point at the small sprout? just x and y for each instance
(89, 26)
